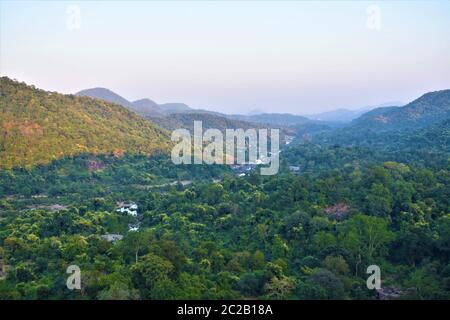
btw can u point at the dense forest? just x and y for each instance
(290, 236)
(344, 199)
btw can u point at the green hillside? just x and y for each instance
(214, 121)
(39, 126)
(429, 109)
(186, 120)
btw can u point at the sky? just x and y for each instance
(233, 57)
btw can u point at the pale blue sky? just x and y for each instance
(293, 56)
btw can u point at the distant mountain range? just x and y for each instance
(282, 119)
(180, 115)
(144, 107)
(150, 109)
(339, 115)
(347, 115)
(38, 126)
(428, 108)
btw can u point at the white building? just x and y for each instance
(128, 208)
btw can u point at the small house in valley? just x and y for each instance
(128, 208)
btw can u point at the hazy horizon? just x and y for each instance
(293, 57)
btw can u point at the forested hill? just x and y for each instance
(428, 110)
(283, 119)
(211, 121)
(39, 126)
(421, 127)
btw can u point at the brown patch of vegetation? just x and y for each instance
(118, 152)
(31, 129)
(27, 128)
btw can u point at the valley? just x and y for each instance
(345, 197)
